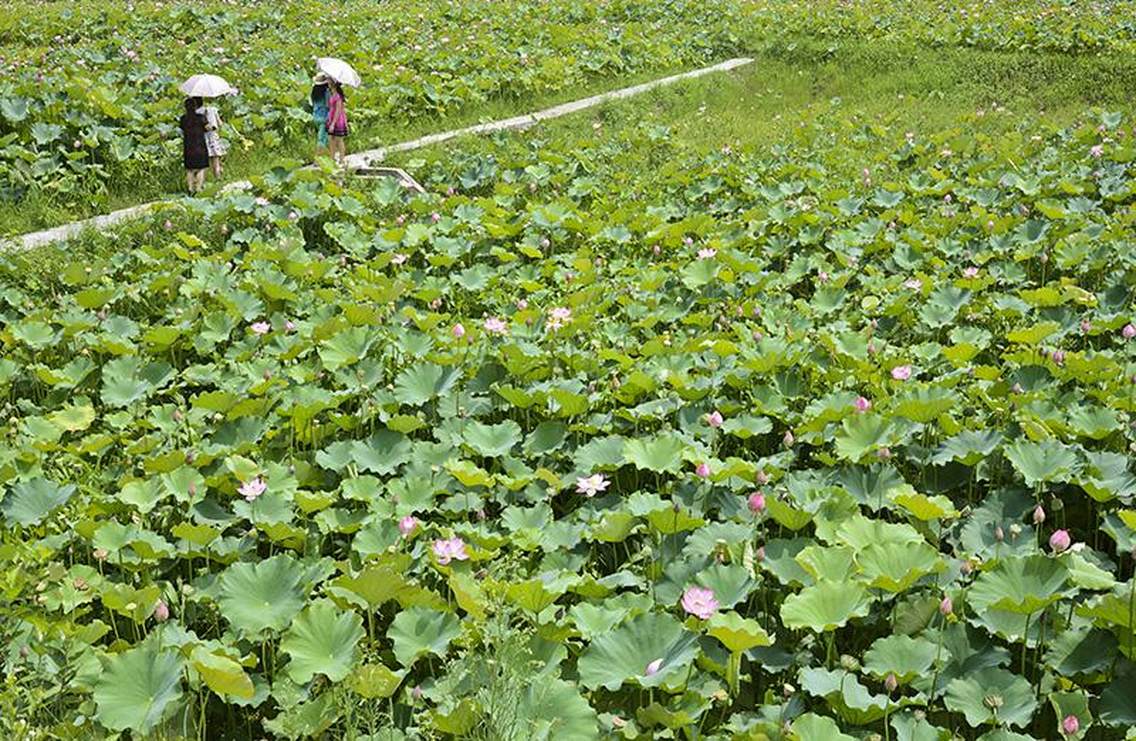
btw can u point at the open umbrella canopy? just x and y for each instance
(206, 86)
(338, 70)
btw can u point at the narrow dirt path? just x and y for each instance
(370, 158)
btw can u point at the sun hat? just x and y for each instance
(321, 79)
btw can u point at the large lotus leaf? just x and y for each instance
(780, 560)
(382, 453)
(844, 694)
(1118, 702)
(1106, 476)
(813, 727)
(138, 688)
(492, 441)
(261, 596)
(419, 631)
(737, 633)
(825, 606)
(731, 583)
(903, 656)
(375, 681)
(897, 566)
(1021, 585)
(662, 453)
(554, 709)
(1045, 461)
(222, 675)
(993, 696)
(862, 434)
(322, 641)
(832, 563)
(859, 532)
(417, 385)
(924, 405)
(345, 348)
(1074, 704)
(30, 501)
(652, 641)
(968, 447)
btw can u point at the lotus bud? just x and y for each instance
(1038, 515)
(192, 489)
(946, 607)
(1016, 388)
(178, 416)
(702, 470)
(161, 611)
(714, 419)
(1060, 541)
(756, 502)
(967, 567)
(1056, 504)
(407, 525)
(849, 663)
(862, 404)
(884, 453)
(1058, 357)
(759, 554)
(1015, 531)
(416, 693)
(1086, 326)
(653, 668)
(1129, 331)
(545, 243)
(999, 534)
(788, 439)
(458, 331)
(890, 682)
(788, 690)
(1070, 725)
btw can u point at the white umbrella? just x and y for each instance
(339, 71)
(206, 86)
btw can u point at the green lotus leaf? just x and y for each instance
(546, 438)
(825, 606)
(554, 709)
(1021, 585)
(780, 560)
(863, 434)
(264, 596)
(859, 532)
(29, 502)
(903, 656)
(322, 640)
(138, 688)
(662, 453)
(992, 696)
(1075, 704)
(221, 674)
(419, 631)
(827, 563)
(1046, 461)
(492, 441)
(651, 649)
(345, 348)
(737, 633)
(731, 583)
(1118, 702)
(375, 681)
(968, 447)
(844, 693)
(382, 453)
(417, 385)
(813, 727)
(924, 405)
(895, 567)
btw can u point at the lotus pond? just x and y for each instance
(626, 429)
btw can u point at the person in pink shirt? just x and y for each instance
(337, 121)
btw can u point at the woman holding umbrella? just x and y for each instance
(195, 155)
(319, 110)
(208, 120)
(338, 73)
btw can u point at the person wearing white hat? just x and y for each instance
(319, 100)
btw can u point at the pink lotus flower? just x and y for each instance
(653, 668)
(699, 602)
(458, 331)
(822, 276)
(1070, 725)
(407, 525)
(706, 253)
(494, 325)
(591, 485)
(913, 284)
(252, 488)
(435, 217)
(756, 502)
(1129, 331)
(161, 611)
(289, 326)
(399, 258)
(702, 470)
(946, 607)
(901, 372)
(970, 272)
(522, 304)
(714, 419)
(558, 317)
(862, 404)
(1060, 541)
(688, 241)
(451, 549)
(260, 327)
(1097, 151)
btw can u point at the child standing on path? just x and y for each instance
(216, 146)
(195, 154)
(337, 121)
(319, 110)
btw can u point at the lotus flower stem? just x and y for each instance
(1038, 654)
(1025, 644)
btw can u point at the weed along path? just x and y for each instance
(370, 158)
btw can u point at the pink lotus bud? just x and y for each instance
(1060, 541)
(714, 419)
(946, 607)
(756, 502)
(1070, 725)
(416, 693)
(761, 477)
(759, 554)
(435, 217)
(862, 404)
(1086, 326)
(999, 533)
(890, 682)
(407, 525)
(1038, 515)
(656, 249)
(1058, 357)
(545, 243)
(1129, 331)
(161, 611)
(168, 225)
(653, 667)
(884, 453)
(458, 331)
(788, 439)
(522, 304)
(703, 470)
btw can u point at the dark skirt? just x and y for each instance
(194, 153)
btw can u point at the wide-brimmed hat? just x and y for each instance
(321, 79)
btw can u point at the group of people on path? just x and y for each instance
(203, 147)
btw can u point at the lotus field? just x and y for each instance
(620, 431)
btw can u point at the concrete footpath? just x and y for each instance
(370, 158)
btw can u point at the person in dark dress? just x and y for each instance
(195, 154)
